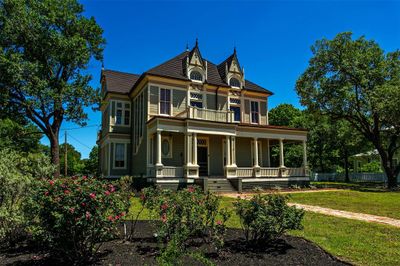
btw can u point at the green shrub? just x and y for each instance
(184, 215)
(76, 214)
(265, 218)
(17, 172)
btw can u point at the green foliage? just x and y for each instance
(45, 46)
(18, 136)
(185, 214)
(91, 165)
(76, 214)
(371, 167)
(354, 80)
(285, 115)
(18, 171)
(265, 218)
(74, 162)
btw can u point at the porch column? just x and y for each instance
(281, 158)
(268, 155)
(256, 152)
(304, 154)
(194, 148)
(159, 163)
(228, 150)
(233, 149)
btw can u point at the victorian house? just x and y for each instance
(190, 121)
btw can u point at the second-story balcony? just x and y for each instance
(211, 115)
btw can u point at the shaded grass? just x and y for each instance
(357, 242)
(377, 203)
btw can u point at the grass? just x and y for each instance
(377, 203)
(357, 242)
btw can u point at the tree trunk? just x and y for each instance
(346, 165)
(55, 153)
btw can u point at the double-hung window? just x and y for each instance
(254, 112)
(165, 101)
(235, 108)
(119, 158)
(122, 113)
(196, 99)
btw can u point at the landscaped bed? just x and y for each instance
(144, 248)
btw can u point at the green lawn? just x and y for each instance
(354, 241)
(377, 203)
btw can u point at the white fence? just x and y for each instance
(353, 177)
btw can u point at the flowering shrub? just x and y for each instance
(266, 217)
(76, 214)
(185, 214)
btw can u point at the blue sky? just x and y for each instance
(273, 39)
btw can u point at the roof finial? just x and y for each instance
(234, 47)
(102, 65)
(187, 46)
(197, 42)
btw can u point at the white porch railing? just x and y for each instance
(211, 115)
(269, 171)
(244, 172)
(172, 171)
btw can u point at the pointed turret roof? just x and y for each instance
(226, 64)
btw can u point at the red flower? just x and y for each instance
(122, 214)
(92, 195)
(112, 188)
(116, 217)
(46, 193)
(164, 206)
(88, 215)
(219, 222)
(51, 182)
(142, 197)
(164, 218)
(191, 189)
(66, 192)
(107, 192)
(84, 177)
(72, 210)
(83, 204)
(110, 218)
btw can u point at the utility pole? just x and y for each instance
(65, 155)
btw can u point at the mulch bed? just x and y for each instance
(288, 250)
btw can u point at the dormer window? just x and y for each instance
(196, 75)
(234, 82)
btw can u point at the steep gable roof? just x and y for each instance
(119, 82)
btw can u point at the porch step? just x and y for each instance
(220, 185)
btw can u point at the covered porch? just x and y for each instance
(192, 150)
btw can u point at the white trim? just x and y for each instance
(171, 111)
(259, 113)
(113, 122)
(125, 155)
(259, 143)
(247, 180)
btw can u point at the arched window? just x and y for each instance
(196, 75)
(234, 82)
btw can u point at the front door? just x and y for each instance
(202, 160)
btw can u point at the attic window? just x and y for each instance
(196, 75)
(234, 82)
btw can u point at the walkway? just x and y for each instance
(338, 213)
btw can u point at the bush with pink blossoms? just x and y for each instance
(77, 214)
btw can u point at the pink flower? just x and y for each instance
(116, 217)
(72, 210)
(51, 182)
(110, 218)
(142, 197)
(191, 189)
(66, 192)
(92, 195)
(112, 188)
(107, 192)
(164, 218)
(84, 177)
(88, 215)
(46, 193)
(122, 214)
(219, 222)
(83, 204)
(164, 206)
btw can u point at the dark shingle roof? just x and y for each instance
(174, 68)
(119, 82)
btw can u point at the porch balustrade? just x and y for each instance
(210, 115)
(270, 171)
(244, 172)
(166, 171)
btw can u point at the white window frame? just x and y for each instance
(169, 138)
(123, 109)
(170, 101)
(258, 112)
(236, 87)
(125, 155)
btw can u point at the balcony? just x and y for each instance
(211, 115)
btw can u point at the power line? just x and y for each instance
(74, 128)
(79, 141)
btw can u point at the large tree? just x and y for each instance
(45, 47)
(356, 81)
